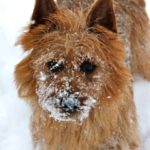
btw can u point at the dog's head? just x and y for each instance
(76, 61)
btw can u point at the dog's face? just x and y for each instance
(69, 75)
(71, 69)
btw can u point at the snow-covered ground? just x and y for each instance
(15, 113)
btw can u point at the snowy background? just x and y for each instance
(14, 112)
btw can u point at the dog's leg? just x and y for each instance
(142, 52)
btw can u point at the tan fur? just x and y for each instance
(112, 122)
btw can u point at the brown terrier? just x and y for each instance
(75, 77)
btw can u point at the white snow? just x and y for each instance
(42, 76)
(15, 113)
(142, 97)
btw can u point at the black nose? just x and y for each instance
(70, 104)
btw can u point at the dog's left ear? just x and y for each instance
(42, 10)
(103, 14)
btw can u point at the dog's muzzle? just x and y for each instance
(70, 104)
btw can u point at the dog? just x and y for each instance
(75, 77)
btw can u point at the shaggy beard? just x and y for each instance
(51, 104)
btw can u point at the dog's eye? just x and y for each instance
(55, 66)
(87, 67)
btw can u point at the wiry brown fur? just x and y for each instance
(112, 123)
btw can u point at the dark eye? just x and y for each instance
(55, 66)
(87, 67)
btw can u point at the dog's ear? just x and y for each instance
(102, 13)
(42, 10)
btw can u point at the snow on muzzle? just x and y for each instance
(70, 103)
(63, 103)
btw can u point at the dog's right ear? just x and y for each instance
(102, 14)
(42, 10)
